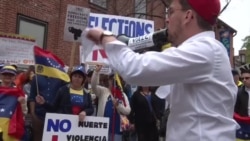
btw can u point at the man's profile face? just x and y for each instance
(174, 22)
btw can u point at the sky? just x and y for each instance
(237, 16)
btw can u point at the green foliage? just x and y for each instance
(246, 45)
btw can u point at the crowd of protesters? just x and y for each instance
(89, 93)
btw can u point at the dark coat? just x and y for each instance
(241, 106)
(62, 103)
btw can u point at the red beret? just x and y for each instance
(209, 10)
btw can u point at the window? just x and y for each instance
(101, 3)
(140, 8)
(34, 28)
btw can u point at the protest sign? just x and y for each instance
(131, 27)
(16, 49)
(76, 21)
(64, 127)
(97, 56)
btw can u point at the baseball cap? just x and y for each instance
(209, 10)
(79, 69)
(8, 69)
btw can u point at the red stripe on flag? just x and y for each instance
(54, 138)
(95, 54)
(103, 53)
(40, 52)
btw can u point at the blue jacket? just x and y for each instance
(47, 88)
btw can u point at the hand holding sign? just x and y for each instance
(98, 68)
(82, 116)
(94, 34)
(92, 54)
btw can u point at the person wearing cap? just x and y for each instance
(197, 67)
(71, 98)
(7, 75)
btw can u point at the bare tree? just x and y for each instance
(138, 8)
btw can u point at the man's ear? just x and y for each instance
(189, 16)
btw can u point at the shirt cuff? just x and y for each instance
(116, 42)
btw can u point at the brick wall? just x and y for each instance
(54, 12)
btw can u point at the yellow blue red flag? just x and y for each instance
(48, 64)
(11, 116)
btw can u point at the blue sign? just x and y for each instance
(131, 27)
(225, 40)
(59, 125)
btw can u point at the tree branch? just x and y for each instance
(164, 3)
(225, 7)
(146, 14)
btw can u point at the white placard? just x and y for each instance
(16, 49)
(76, 21)
(64, 127)
(105, 69)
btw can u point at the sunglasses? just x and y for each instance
(246, 78)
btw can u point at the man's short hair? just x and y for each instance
(235, 72)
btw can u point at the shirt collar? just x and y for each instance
(247, 89)
(210, 34)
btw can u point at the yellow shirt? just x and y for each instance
(76, 100)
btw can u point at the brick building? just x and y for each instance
(47, 18)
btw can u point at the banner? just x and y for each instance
(131, 27)
(225, 40)
(76, 21)
(16, 49)
(64, 127)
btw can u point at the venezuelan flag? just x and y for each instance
(242, 134)
(11, 116)
(48, 64)
(117, 89)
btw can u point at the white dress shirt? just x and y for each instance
(203, 94)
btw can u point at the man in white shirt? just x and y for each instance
(203, 92)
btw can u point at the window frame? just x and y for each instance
(21, 17)
(136, 10)
(99, 5)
